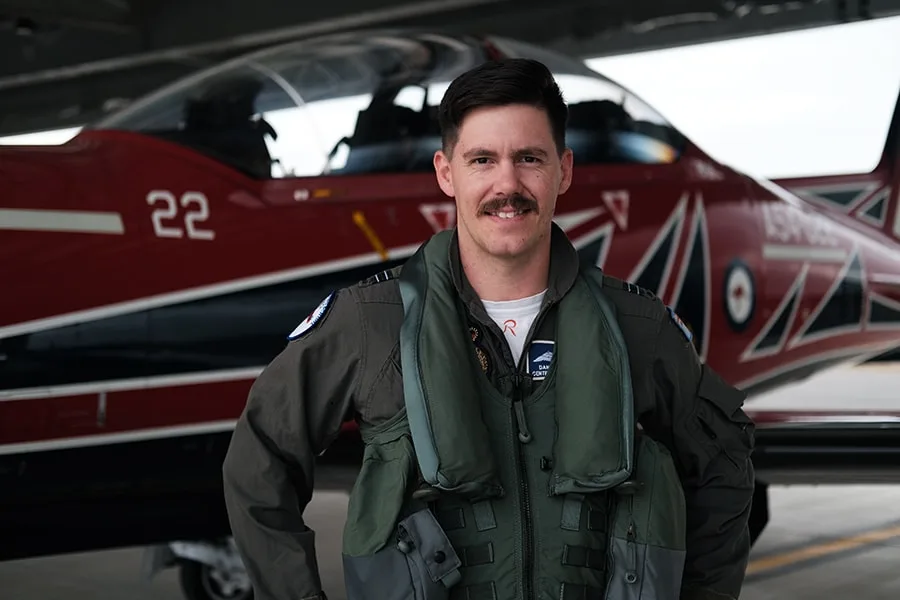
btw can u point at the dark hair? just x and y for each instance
(500, 83)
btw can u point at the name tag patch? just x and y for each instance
(540, 355)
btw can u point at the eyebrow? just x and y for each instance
(528, 151)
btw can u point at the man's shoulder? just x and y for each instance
(377, 297)
(379, 287)
(635, 305)
(631, 299)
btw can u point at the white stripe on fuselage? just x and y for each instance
(118, 438)
(125, 385)
(71, 221)
(810, 253)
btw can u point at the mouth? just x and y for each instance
(507, 213)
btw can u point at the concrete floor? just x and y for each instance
(822, 543)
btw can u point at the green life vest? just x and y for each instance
(581, 506)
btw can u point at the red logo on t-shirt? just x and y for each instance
(510, 325)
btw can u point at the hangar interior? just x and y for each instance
(69, 62)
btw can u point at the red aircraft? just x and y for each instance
(155, 263)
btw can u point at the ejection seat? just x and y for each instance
(221, 124)
(387, 139)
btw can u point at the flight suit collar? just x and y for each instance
(564, 266)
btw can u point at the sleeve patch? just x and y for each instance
(314, 317)
(681, 325)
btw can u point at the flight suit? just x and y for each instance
(345, 363)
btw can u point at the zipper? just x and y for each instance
(528, 528)
(631, 539)
(524, 437)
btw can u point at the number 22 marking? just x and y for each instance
(170, 211)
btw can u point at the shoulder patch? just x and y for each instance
(681, 324)
(381, 277)
(314, 317)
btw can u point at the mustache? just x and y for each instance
(515, 202)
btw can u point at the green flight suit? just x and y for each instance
(349, 365)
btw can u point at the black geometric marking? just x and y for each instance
(776, 334)
(842, 198)
(845, 305)
(884, 312)
(877, 210)
(175, 339)
(592, 255)
(652, 275)
(653, 270)
(691, 304)
(874, 210)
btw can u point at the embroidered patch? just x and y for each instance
(483, 360)
(314, 317)
(540, 355)
(681, 325)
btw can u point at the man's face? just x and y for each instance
(505, 173)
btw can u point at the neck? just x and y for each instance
(498, 279)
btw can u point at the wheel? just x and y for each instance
(202, 582)
(759, 511)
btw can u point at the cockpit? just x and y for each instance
(366, 103)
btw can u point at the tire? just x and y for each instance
(197, 583)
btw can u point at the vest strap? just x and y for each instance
(484, 515)
(571, 512)
(479, 591)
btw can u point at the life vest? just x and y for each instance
(455, 500)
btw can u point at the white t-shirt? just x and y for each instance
(514, 318)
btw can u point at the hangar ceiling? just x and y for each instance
(67, 62)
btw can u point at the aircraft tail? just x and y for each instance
(871, 198)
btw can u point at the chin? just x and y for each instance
(509, 245)
(506, 239)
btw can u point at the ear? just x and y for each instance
(566, 163)
(442, 171)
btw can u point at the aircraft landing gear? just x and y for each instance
(759, 512)
(207, 570)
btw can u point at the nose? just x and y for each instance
(506, 180)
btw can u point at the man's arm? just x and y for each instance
(699, 417)
(294, 411)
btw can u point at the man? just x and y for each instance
(533, 428)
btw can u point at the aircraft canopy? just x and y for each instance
(364, 103)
